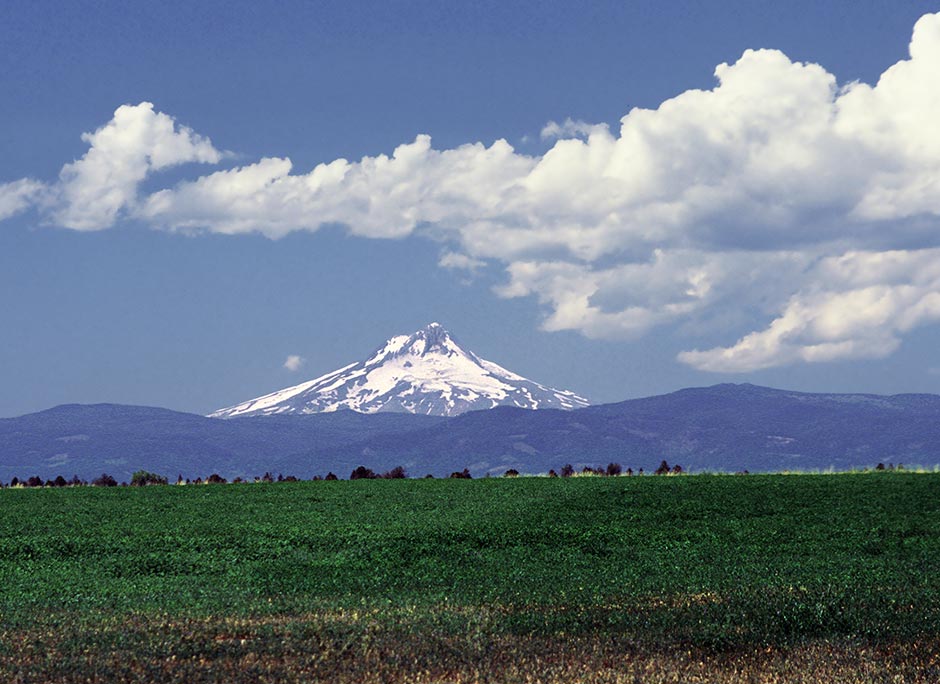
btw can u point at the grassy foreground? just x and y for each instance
(770, 578)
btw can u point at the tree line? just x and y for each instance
(142, 478)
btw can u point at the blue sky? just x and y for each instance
(774, 223)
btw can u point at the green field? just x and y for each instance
(650, 579)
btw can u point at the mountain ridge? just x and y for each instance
(719, 428)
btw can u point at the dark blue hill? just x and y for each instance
(90, 439)
(724, 427)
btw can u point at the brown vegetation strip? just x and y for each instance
(348, 647)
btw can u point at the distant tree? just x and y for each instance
(290, 478)
(142, 478)
(215, 478)
(76, 481)
(34, 481)
(330, 477)
(104, 480)
(640, 472)
(614, 469)
(630, 472)
(663, 468)
(315, 478)
(14, 482)
(267, 477)
(677, 469)
(59, 481)
(49, 483)
(552, 473)
(462, 475)
(396, 473)
(179, 479)
(880, 466)
(429, 477)
(280, 478)
(512, 472)
(238, 480)
(362, 473)
(567, 470)
(197, 481)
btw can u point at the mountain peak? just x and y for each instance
(426, 372)
(434, 337)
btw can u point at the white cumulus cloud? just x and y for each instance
(854, 306)
(570, 128)
(19, 196)
(92, 192)
(294, 362)
(457, 261)
(378, 197)
(760, 199)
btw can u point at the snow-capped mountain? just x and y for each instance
(427, 372)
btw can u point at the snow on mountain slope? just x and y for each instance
(426, 372)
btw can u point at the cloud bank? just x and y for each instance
(810, 205)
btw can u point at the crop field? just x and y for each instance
(705, 578)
